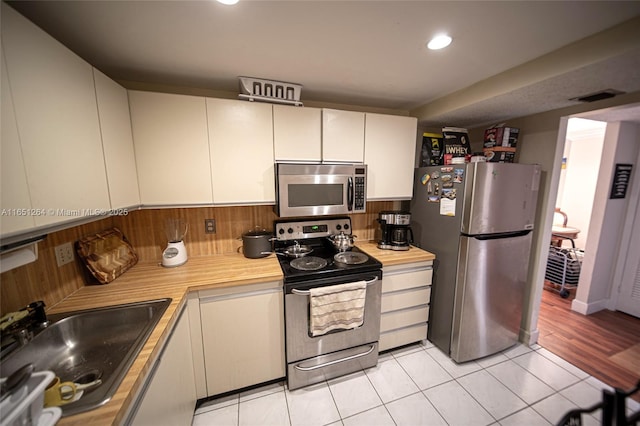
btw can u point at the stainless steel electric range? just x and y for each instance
(310, 260)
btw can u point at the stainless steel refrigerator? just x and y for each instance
(477, 219)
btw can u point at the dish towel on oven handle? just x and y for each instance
(337, 307)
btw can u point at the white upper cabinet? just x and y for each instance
(390, 142)
(117, 141)
(57, 120)
(297, 133)
(342, 136)
(241, 145)
(14, 191)
(171, 148)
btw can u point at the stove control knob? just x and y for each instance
(281, 231)
(346, 226)
(338, 227)
(290, 230)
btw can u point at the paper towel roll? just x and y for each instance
(18, 257)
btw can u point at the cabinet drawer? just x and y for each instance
(395, 338)
(404, 318)
(402, 281)
(215, 294)
(405, 299)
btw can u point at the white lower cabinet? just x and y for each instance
(406, 293)
(242, 336)
(170, 396)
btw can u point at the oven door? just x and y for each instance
(300, 344)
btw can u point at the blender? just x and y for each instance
(176, 253)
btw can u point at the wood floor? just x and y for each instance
(605, 344)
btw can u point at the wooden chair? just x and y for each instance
(560, 231)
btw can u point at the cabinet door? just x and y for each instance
(390, 144)
(296, 133)
(172, 148)
(14, 195)
(170, 397)
(342, 136)
(243, 338)
(241, 141)
(117, 141)
(57, 120)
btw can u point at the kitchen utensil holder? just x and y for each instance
(258, 89)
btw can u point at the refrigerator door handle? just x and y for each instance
(499, 235)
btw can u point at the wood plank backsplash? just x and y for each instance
(145, 229)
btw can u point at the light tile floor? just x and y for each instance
(420, 385)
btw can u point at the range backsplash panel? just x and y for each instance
(44, 280)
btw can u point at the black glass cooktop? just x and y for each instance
(322, 249)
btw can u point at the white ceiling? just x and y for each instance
(363, 53)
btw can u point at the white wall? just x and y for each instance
(540, 146)
(607, 222)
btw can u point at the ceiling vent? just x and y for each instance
(598, 96)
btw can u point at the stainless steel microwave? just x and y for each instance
(320, 189)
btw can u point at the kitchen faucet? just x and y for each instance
(20, 327)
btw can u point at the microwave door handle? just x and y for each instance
(350, 193)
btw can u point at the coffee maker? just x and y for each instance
(395, 232)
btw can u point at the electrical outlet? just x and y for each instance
(209, 226)
(64, 254)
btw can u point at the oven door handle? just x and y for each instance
(327, 364)
(307, 292)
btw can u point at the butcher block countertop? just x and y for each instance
(149, 281)
(391, 257)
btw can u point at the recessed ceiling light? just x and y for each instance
(439, 42)
(228, 1)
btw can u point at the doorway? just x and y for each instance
(606, 229)
(569, 329)
(579, 178)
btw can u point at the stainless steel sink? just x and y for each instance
(84, 346)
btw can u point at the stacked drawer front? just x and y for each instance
(406, 292)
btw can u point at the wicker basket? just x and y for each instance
(106, 255)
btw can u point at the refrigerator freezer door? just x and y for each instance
(492, 274)
(500, 197)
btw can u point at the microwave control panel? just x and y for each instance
(359, 193)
